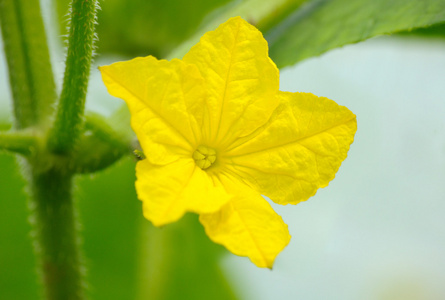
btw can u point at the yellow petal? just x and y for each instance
(166, 102)
(247, 225)
(241, 80)
(171, 190)
(298, 151)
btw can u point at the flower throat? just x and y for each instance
(204, 156)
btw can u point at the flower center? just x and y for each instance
(204, 156)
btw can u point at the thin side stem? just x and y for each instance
(27, 55)
(69, 118)
(55, 229)
(17, 142)
(100, 147)
(100, 127)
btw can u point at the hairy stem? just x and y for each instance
(17, 142)
(53, 215)
(27, 55)
(69, 118)
(55, 234)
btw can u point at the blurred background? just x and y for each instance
(376, 232)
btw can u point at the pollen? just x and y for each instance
(204, 156)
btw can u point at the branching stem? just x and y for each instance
(18, 142)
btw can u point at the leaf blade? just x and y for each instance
(323, 25)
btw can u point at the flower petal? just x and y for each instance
(241, 80)
(247, 225)
(298, 151)
(166, 101)
(169, 191)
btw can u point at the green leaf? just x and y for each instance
(326, 24)
(435, 31)
(263, 14)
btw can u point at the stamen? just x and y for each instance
(204, 157)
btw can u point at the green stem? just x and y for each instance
(18, 142)
(55, 233)
(27, 55)
(99, 147)
(102, 129)
(69, 118)
(53, 216)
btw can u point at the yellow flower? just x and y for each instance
(218, 134)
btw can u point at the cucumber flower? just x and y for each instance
(217, 134)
